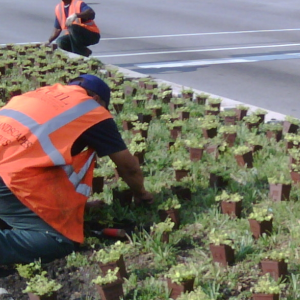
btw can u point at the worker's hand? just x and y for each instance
(71, 19)
(144, 198)
(47, 44)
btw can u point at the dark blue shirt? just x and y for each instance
(103, 137)
(83, 7)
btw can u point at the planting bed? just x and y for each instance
(163, 148)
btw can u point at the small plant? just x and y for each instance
(211, 100)
(197, 294)
(272, 127)
(267, 285)
(137, 147)
(295, 168)
(219, 237)
(292, 120)
(291, 137)
(110, 277)
(260, 111)
(209, 122)
(105, 256)
(171, 203)
(210, 108)
(230, 129)
(251, 119)
(140, 126)
(99, 172)
(41, 285)
(120, 185)
(261, 214)
(242, 107)
(180, 273)
(117, 101)
(253, 139)
(194, 142)
(77, 260)
(168, 117)
(137, 138)
(229, 197)
(228, 113)
(181, 164)
(112, 253)
(222, 146)
(241, 150)
(279, 178)
(129, 117)
(29, 270)
(176, 123)
(165, 87)
(162, 227)
(187, 91)
(295, 153)
(166, 94)
(154, 106)
(182, 109)
(178, 100)
(277, 255)
(202, 95)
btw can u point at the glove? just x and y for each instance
(71, 19)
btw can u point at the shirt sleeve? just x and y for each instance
(56, 24)
(104, 137)
(84, 7)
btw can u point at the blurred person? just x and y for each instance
(76, 20)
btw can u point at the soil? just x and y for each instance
(75, 286)
(75, 281)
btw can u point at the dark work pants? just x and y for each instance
(77, 40)
(30, 238)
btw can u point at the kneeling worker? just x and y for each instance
(49, 138)
(76, 20)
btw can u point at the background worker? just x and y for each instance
(46, 172)
(76, 19)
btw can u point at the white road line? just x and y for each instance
(182, 35)
(206, 62)
(199, 34)
(196, 50)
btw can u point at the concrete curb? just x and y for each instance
(226, 103)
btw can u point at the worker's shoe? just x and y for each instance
(88, 52)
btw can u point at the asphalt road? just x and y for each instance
(246, 50)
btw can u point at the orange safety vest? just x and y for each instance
(37, 131)
(73, 8)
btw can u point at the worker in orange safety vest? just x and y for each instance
(76, 20)
(49, 139)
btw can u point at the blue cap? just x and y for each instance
(94, 84)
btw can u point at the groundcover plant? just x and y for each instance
(149, 259)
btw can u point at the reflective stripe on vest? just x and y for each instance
(56, 123)
(75, 178)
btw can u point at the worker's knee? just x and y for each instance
(64, 43)
(24, 246)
